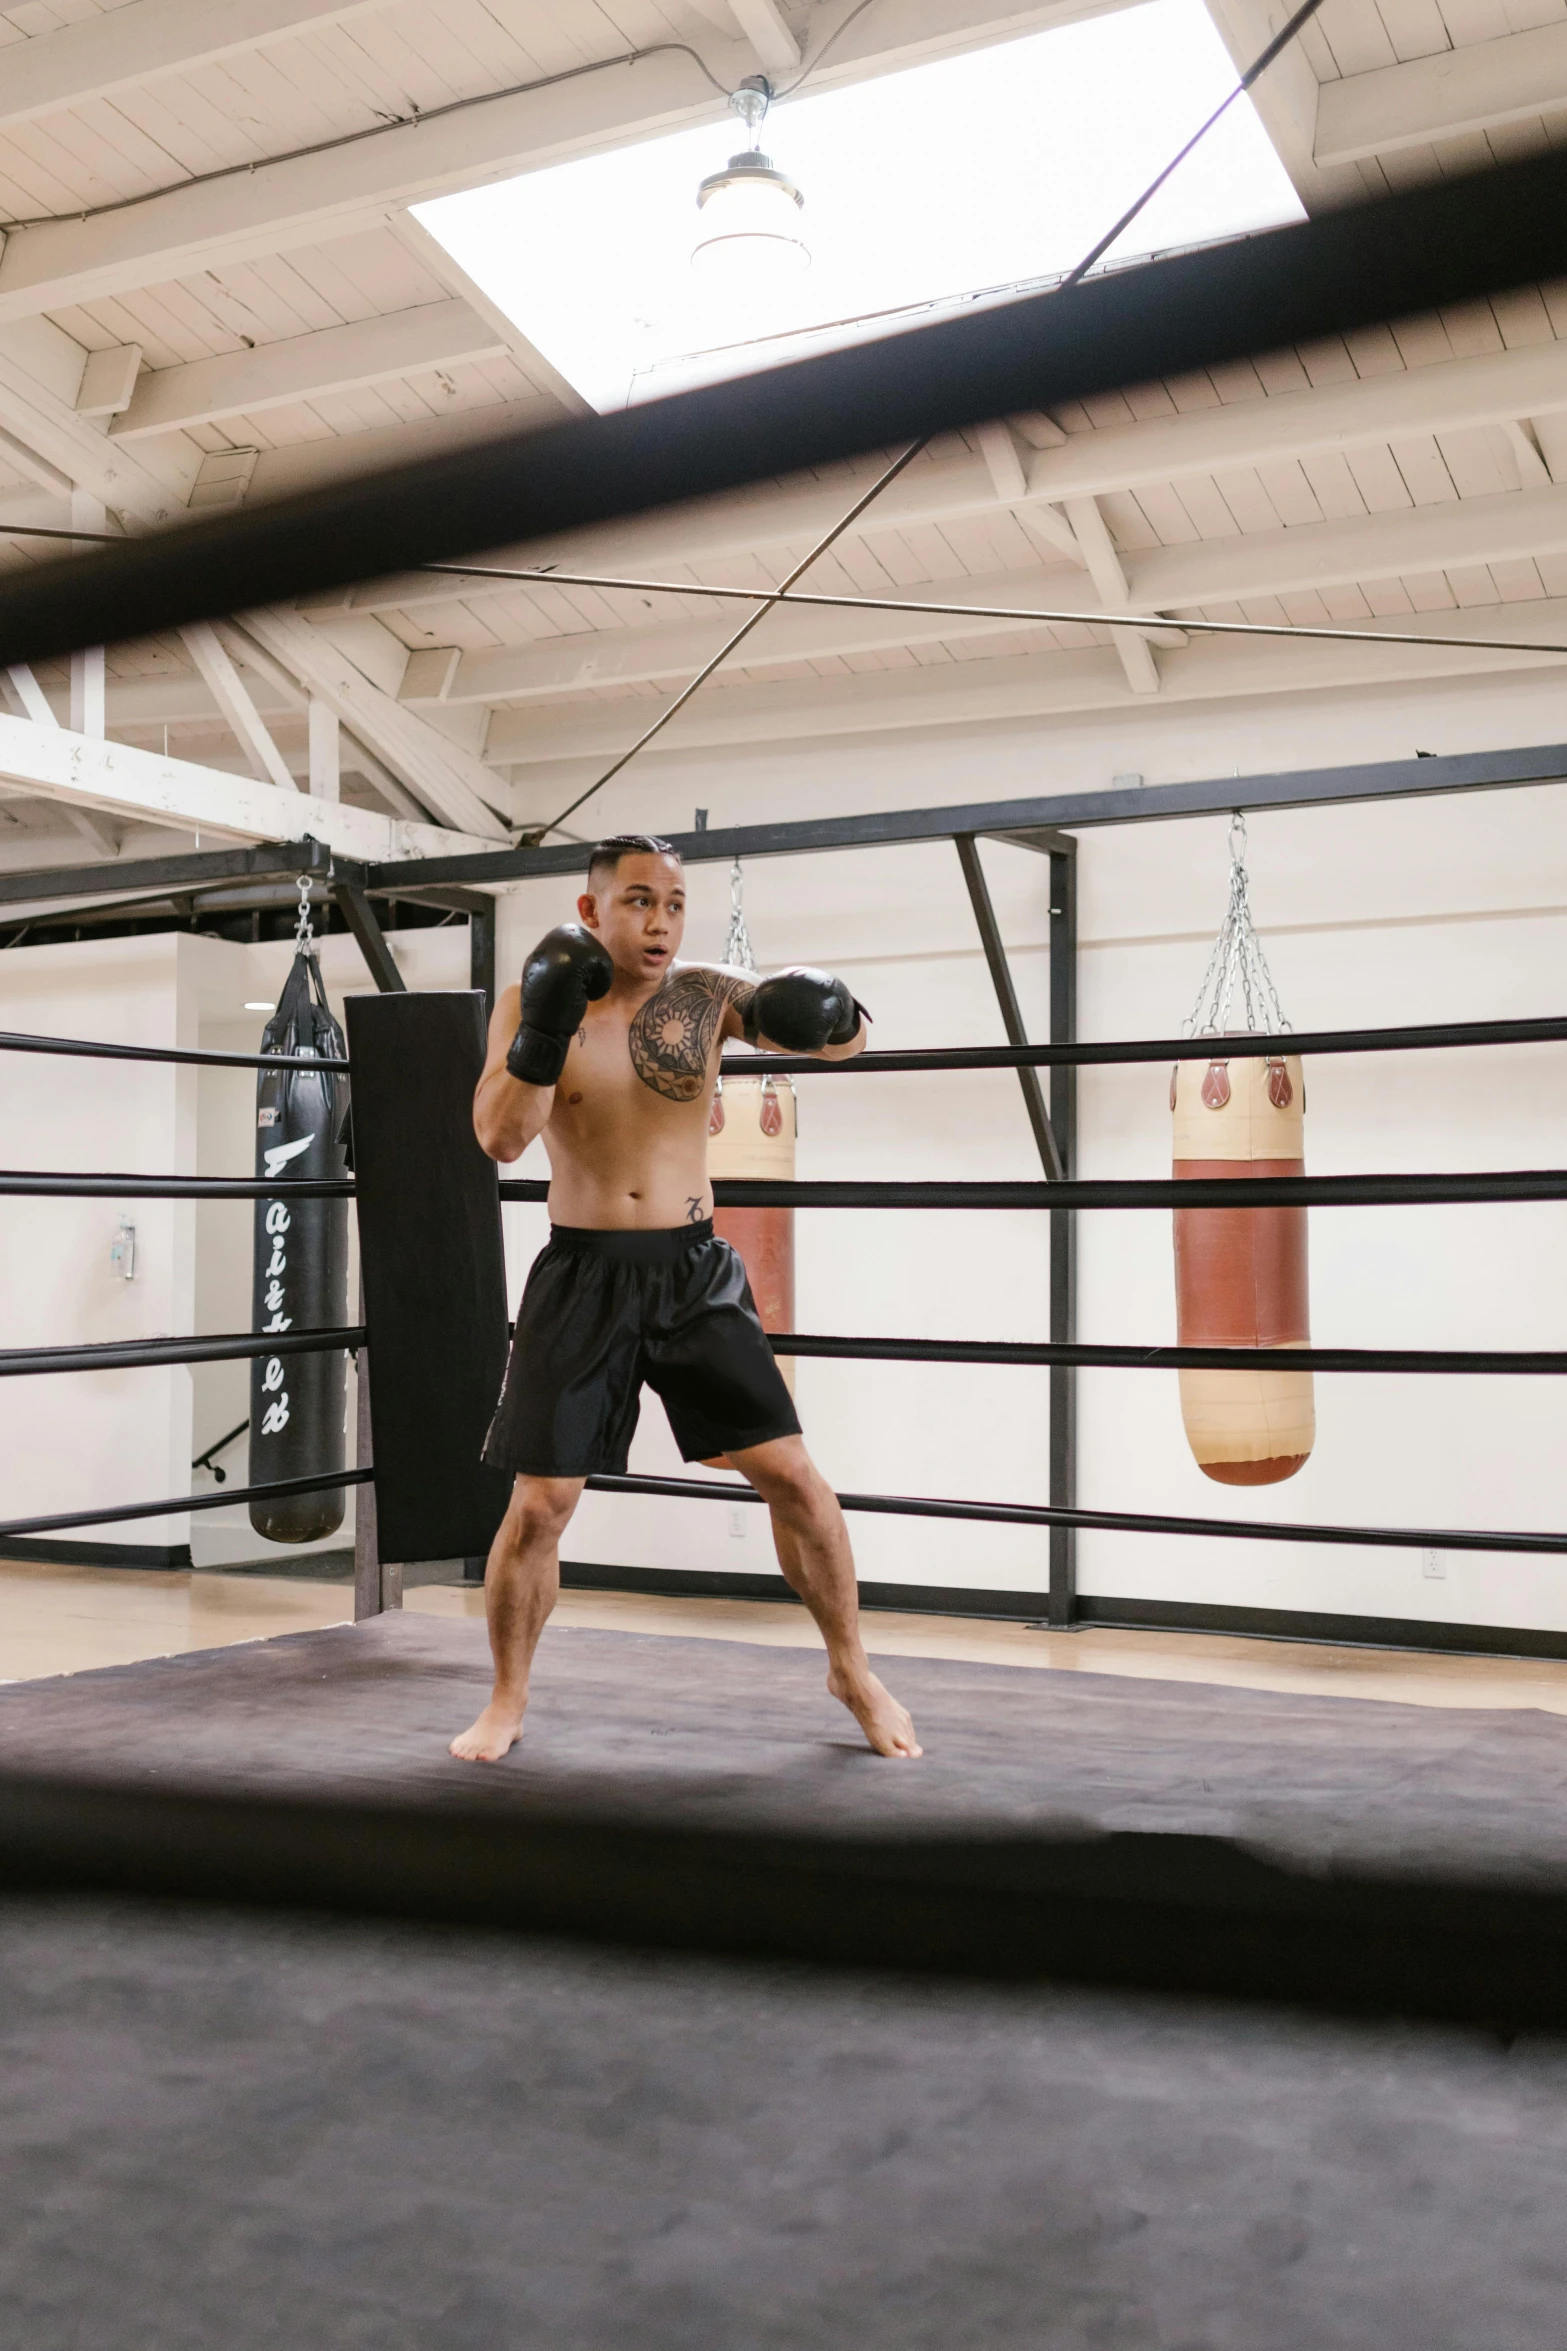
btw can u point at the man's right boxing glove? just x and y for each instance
(567, 971)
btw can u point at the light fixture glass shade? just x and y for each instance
(750, 232)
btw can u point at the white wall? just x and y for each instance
(70, 1441)
(928, 766)
(233, 975)
(1432, 910)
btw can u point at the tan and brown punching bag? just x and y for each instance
(1240, 1273)
(751, 1133)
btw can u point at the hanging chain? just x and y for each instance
(304, 933)
(1237, 964)
(739, 955)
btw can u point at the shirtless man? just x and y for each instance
(610, 1050)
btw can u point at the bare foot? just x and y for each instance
(497, 1730)
(888, 1727)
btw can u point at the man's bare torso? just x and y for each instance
(627, 1136)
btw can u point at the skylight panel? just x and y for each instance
(971, 175)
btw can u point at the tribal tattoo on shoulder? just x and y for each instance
(672, 1036)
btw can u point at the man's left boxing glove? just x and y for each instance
(567, 971)
(803, 1010)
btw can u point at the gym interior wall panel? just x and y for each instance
(927, 766)
(228, 976)
(1420, 910)
(1475, 892)
(68, 1442)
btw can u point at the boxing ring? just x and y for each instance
(436, 1331)
(690, 1908)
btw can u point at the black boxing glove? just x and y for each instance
(567, 971)
(803, 1010)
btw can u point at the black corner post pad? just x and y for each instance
(359, 915)
(434, 1272)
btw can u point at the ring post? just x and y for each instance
(1062, 1608)
(369, 1599)
(481, 953)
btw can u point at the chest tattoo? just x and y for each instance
(672, 1037)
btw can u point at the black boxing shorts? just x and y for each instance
(604, 1312)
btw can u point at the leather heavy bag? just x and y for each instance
(1240, 1273)
(751, 1132)
(298, 1402)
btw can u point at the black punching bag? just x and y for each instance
(298, 1402)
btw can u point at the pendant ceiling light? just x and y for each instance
(750, 232)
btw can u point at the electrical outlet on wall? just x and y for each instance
(1433, 1563)
(738, 1516)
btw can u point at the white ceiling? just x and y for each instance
(276, 327)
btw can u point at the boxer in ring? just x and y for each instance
(610, 1050)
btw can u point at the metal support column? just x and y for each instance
(481, 953)
(1039, 1118)
(359, 915)
(368, 1600)
(1063, 1233)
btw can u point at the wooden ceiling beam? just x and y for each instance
(440, 774)
(100, 54)
(1020, 687)
(88, 772)
(302, 367)
(1449, 396)
(1450, 95)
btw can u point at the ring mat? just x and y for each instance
(265, 2129)
(738, 1735)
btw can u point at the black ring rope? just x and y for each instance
(30, 1184)
(12, 1528)
(884, 1505)
(15, 1041)
(1132, 1522)
(1429, 1037)
(1421, 1038)
(1533, 1362)
(1134, 1193)
(1429, 247)
(222, 1347)
(1349, 1191)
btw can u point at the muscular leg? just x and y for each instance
(813, 1551)
(521, 1586)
